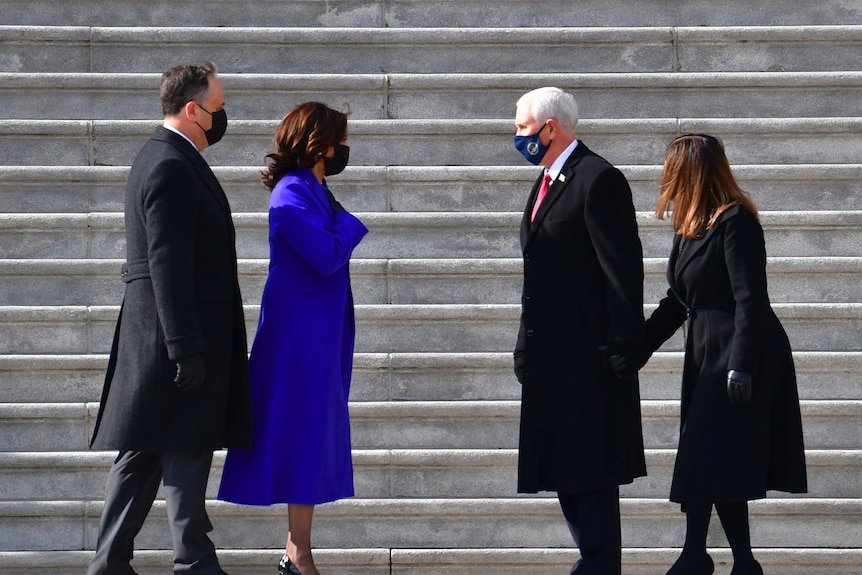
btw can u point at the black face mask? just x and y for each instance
(218, 128)
(338, 161)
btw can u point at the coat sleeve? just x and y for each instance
(171, 204)
(663, 322)
(745, 258)
(323, 241)
(613, 230)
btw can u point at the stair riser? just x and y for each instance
(403, 97)
(379, 480)
(446, 525)
(453, 144)
(659, 49)
(81, 332)
(375, 380)
(391, 240)
(500, 561)
(376, 285)
(436, 13)
(397, 189)
(402, 431)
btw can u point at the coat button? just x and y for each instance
(530, 333)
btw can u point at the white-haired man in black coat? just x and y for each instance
(581, 318)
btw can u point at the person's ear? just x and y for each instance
(190, 111)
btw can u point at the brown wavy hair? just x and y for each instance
(698, 181)
(302, 138)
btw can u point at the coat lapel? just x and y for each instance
(558, 186)
(200, 165)
(696, 245)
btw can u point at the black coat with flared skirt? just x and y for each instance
(730, 453)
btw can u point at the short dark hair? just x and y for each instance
(184, 83)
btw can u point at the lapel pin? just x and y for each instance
(562, 177)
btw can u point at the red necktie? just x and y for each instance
(543, 190)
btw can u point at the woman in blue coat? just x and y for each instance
(302, 355)
(741, 430)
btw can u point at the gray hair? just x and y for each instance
(549, 102)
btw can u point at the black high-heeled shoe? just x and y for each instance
(286, 567)
(692, 564)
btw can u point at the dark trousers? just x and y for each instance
(594, 522)
(132, 486)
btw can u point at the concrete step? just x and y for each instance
(424, 425)
(97, 96)
(415, 235)
(436, 523)
(499, 561)
(396, 473)
(443, 142)
(427, 13)
(399, 328)
(71, 189)
(431, 50)
(31, 282)
(242, 561)
(420, 376)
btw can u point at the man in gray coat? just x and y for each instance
(177, 384)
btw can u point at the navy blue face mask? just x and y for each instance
(531, 147)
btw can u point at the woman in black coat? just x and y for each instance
(741, 430)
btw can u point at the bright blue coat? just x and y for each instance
(302, 356)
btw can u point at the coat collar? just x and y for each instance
(314, 185)
(173, 139)
(565, 177)
(679, 259)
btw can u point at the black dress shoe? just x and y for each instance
(693, 564)
(286, 567)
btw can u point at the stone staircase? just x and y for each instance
(431, 86)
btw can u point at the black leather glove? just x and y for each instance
(738, 387)
(623, 359)
(190, 373)
(520, 372)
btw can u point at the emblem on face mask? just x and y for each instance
(531, 147)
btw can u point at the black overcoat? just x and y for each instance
(730, 453)
(580, 426)
(181, 298)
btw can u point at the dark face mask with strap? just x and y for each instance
(338, 161)
(218, 128)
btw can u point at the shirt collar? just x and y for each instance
(558, 164)
(175, 131)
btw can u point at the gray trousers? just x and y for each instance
(132, 486)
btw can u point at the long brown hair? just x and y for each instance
(698, 182)
(303, 136)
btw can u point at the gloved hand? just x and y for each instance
(190, 373)
(738, 387)
(520, 372)
(623, 359)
